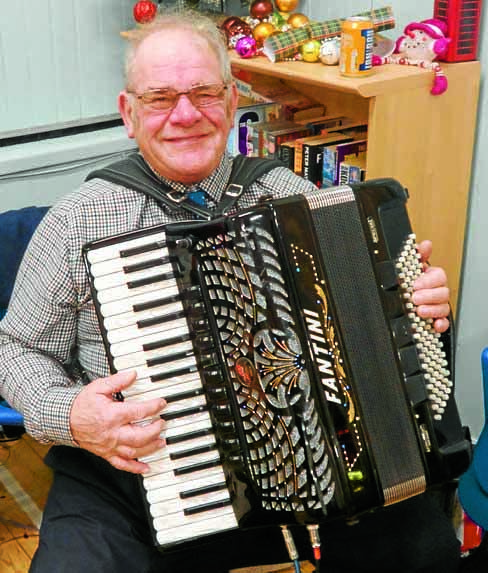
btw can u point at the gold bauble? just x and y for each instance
(310, 51)
(286, 5)
(297, 20)
(262, 31)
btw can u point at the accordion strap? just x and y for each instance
(134, 173)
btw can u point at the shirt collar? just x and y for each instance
(213, 185)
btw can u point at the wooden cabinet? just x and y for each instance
(423, 141)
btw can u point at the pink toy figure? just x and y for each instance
(422, 43)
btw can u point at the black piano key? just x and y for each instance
(147, 264)
(153, 321)
(168, 342)
(197, 467)
(192, 452)
(173, 373)
(151, 280)
(203, 490)
(156, 303)
(168, 358)
(184, 395)
(142, 249)
(182, 413)
(206, 507)
(188, 436)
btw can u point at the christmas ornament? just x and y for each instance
(246, 47)
(263, 31)
(278, 21)
(261, 9)
(297, 20)
(144, 11)
(234, 28)
(229, 22)
(310, 51)
(420, 45)
(330, 51)
(286, 5)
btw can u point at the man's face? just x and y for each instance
(186, 143)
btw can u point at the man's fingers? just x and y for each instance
(138, 411)
(437, 296)
(425, 250)
(114, 383)
(128, 465)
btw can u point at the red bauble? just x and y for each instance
(261, 9)
(144, 11)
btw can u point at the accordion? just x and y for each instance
(301, 384)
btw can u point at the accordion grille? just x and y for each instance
(379, 383)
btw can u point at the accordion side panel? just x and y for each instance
(375, 377)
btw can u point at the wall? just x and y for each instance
(60, 60)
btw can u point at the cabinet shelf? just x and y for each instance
(423, 141)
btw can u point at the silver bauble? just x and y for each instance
(329, 51)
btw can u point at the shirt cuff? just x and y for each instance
(54, 416)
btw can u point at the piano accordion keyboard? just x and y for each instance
(145, 327)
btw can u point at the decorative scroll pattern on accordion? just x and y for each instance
(326, 395)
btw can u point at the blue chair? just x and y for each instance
(473, 484)
(16, 229)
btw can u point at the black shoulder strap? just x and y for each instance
(133, 172)
(245, 171)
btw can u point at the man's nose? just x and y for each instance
(184, 110)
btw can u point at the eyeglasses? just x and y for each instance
(167, 98)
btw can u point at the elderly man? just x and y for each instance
(178, 104)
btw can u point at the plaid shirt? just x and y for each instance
(51, 327)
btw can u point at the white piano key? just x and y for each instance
(167, 383)
(164, 389)
(123, 292)
(166, 464)
(134, 332)
(178, 447)
(167, 480)
(172, 489)
(113, 251)
(137, 338)
(166, 368)
(120, 278)
(180, 426)
(117, 265)
(129, 361)
(131, 318)
(126, 305)
(221, 519)
(168, 508)
(173, 407)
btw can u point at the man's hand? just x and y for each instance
(431, 293)
(105, 427)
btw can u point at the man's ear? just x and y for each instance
(126, 110)
(234, 100)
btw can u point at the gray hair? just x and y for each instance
(188, 20)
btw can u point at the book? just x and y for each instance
(353, 170)
(256, 134)
(312, 154)
(324, 123)
(330, 160)
(273, 138)
(346, 151)
(239, 140)
(294, 103)
(286, 153)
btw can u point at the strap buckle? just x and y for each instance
(234, 190)
(175, 196)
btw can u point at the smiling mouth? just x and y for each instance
(186, 139)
